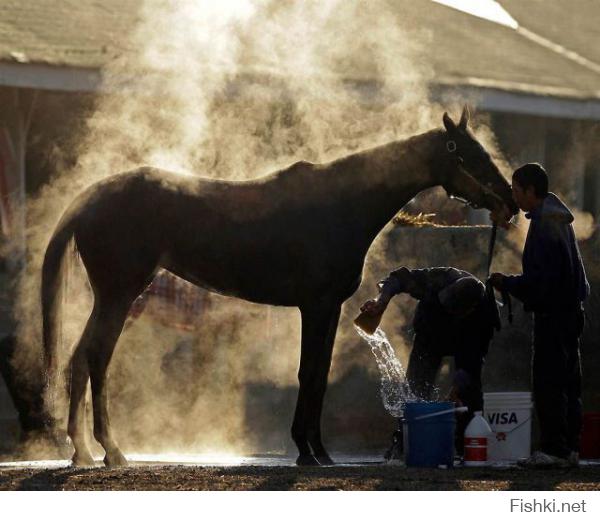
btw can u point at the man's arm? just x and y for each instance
(392, 284)
(388, 287)
(418, 283)
(396, 282)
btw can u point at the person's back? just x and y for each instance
(453, 318)
(454, 335)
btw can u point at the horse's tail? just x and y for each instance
(51, 291)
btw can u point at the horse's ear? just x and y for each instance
(448, 123)
(464, 118)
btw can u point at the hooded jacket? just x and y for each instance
(553, 279)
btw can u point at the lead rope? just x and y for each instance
(506, 300)
(491, 249)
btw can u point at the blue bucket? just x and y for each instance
(429, 441)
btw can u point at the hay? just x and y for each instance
(403, 218)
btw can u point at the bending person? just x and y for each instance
(454, 318)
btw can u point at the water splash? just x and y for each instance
(395, 390)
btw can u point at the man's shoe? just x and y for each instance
(541, 460)
(574, 459)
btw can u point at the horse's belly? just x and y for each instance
(253, 280)
(280, 262)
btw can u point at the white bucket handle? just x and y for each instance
(439, 413)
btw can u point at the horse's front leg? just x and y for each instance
(323, 366)
(319, 325)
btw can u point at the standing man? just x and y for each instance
(454, 318)
(553, 286)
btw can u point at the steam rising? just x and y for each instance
(232, 90)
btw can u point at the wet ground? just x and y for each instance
(276, 473)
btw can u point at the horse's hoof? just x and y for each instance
(115, 459)
(307, 460)
(324, 459)
(82, 459)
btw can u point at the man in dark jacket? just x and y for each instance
(553, 286)
(453, 318)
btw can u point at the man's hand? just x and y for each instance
(497, 281)
(373, 307)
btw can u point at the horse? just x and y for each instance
(297, 237)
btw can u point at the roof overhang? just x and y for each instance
(49, 77)
(518, 98)
(490, 95)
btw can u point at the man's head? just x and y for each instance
(462, 296)
(529, 186)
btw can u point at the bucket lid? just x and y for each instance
(414, 409)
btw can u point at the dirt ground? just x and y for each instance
(356, 477)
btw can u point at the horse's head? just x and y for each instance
(470, 173)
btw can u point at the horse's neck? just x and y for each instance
(379, 182)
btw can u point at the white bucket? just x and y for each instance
(509, 416)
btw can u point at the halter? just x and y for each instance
(451, 148)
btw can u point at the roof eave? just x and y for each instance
(49, 77)
(492, 95)
(519, 98)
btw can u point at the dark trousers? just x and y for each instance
(423, 365)
(556, 375)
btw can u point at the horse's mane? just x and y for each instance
(405, 148)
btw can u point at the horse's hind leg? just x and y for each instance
(77, 413)
(110, 317)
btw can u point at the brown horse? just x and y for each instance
(297, 237)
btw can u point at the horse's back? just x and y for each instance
(252, 239)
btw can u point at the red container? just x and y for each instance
(590, 436)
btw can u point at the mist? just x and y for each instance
(230, 90)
